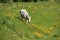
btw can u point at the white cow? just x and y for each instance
(24, 15)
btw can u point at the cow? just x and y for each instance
(24, 15)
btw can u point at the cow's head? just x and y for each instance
(29, 19)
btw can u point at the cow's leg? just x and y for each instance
(27, 21)
(23, 19)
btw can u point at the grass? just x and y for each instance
(45, 24)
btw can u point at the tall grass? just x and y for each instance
(45, 24)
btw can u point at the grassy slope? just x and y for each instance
(45, 23)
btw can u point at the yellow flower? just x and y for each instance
(8, 14)
(46, 31)
(39, 34)
(51, 28)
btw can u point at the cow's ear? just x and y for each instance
(31, 17)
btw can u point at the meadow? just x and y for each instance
(45, 23)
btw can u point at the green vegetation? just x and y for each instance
(9, 1)
(45, 24)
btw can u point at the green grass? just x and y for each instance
(45, 24)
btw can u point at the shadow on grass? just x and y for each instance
(24, 21)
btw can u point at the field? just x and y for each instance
(45, 23)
